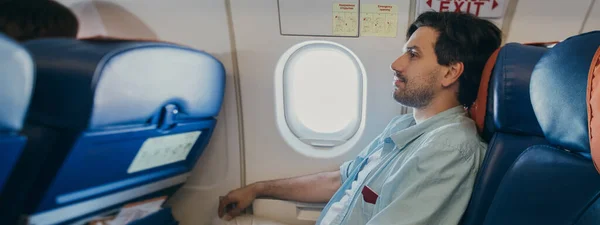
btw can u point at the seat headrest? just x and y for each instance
(558, 91)
(507, 105)
(96, 84)
(16, 84)
(509, 90)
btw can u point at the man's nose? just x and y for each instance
(398, 64)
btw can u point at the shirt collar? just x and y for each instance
(405, 136)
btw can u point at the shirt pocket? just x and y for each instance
(367, 208)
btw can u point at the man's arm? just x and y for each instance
(311, 188)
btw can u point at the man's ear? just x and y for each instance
(455, 70)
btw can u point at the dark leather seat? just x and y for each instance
(510, 123)
(555, 183)
(548, 183)
(111, 122)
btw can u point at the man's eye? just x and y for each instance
(412, 54)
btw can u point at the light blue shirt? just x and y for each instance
(425, 176)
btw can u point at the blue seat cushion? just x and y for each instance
(545, 185)
(558, 91)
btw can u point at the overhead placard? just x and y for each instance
(345, 19)
(318, 17)
(379, 20)
(480, 8)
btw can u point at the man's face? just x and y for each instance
(416, 71)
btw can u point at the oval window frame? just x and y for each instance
(314, 147)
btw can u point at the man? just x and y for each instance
(30, 19)
(422, 167)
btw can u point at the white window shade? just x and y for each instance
(322, 88)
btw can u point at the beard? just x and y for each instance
(415, 94)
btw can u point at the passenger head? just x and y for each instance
(30, 19)
(443, 59)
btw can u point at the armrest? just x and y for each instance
(289, 212)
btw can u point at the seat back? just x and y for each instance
(112, 122)
(555, 183)
(16, 84)
(509, 125)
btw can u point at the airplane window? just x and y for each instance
(321, 84)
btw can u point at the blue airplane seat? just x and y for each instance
(112, 122)
(555, 183)
(510, 124)
(16, 85)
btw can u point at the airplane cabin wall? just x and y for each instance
(258, 44)
(593, 20)
(259, 47)
(549, 20)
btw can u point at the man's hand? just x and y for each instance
(236, 201)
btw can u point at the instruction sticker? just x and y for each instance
(163, 150)
(345, 19)
(379, 20)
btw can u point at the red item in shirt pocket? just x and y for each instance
(369, 195)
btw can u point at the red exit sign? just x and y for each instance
(480, 8)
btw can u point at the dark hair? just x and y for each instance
(30, 19)
(462, 38)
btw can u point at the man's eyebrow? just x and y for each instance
(414, 47)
